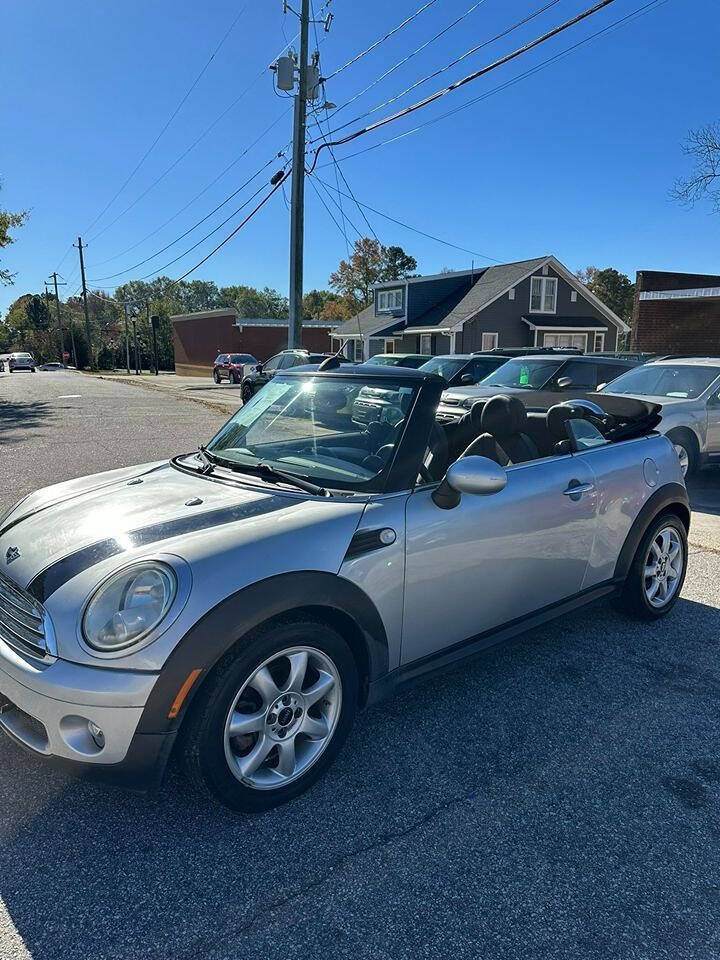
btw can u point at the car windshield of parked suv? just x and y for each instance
(304, 426)
(22, 356)
(682, 381)
(524, 373)
(445, 367)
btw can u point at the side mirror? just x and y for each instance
(564, 382)
(467, 379)
(258, 368)
(601, 386)
(476, 475)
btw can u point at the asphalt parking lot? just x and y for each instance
(559, 798)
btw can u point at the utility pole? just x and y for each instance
(127, 341)
(59, 318)
(137, 355)
(85, 303)
(308, 85)
(297, 196)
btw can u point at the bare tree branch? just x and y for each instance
(703, 146)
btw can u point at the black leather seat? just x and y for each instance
(503, 439)
(557, 418)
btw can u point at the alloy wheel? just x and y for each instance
(683, 457)
(283, 718)
(663, 567)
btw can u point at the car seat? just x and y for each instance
(503, 439)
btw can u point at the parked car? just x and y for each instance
(21, 361)
(413, 360)
(540, 381)
(375, 403)
(50, 366)
(688, 391)
(237, 605)
(231, 366)
(284, 360)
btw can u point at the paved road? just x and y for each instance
(558, 799)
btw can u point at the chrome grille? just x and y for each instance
(22, 620)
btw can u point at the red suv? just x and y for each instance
(230, 366)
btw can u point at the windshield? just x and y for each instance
(384, 360)
(445, 367)
(524, 373)
(312, 427)
(684, 381)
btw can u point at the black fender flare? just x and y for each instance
(233, 618)
(670, 495)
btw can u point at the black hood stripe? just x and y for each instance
(53, 577)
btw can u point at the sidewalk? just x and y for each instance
(224, 397)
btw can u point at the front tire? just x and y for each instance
(686, 447)
(247, 393)
(272, 716)
(658, 570)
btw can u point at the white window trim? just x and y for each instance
(511, 293)
(385, 294)
(602, 342)
(389, 346)
(423, 336)
(573, 296)
(543, 281)
(493, 344)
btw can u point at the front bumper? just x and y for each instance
(447, 413)
(48, 707)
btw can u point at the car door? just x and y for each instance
(713, 422)
(270, 368)
(494, 559)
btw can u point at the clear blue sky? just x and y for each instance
(576, 160)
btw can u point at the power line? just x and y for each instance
(440, 70)
(182, 236)
(332, 215)
(170, 119)
(409, 56)
(635, 14)
(465, 80)
(407, 226)
(382, 39)
(197, 196)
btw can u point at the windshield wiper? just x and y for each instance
(208, 460)
(271, 473)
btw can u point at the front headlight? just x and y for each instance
(128, 606)
(469, 403)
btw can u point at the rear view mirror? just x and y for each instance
(564, 382)
(472, 475)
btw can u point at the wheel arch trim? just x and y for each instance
(233, 618)
(670, 498)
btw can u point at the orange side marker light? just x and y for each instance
(183, 692)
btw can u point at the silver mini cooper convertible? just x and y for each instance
(234, 607)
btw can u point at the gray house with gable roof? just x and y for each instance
(529, 303)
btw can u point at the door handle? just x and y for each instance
(575, 489)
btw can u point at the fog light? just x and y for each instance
(97, 734)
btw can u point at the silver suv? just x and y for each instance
(239, 604)
(688, 390)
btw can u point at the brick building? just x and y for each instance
(200, 337)
(676, 313)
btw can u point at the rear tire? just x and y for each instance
(657, 573)
(225, 765)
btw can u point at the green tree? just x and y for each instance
(703, 182)
(369, 263)
(9, 221)
(315, 301)
(615, 289)
(250, 302)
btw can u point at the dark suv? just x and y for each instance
(540, 381)
(230, 366)
(281, 361)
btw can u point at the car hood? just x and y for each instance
(665, 402)
(462, 393)
(154, 507)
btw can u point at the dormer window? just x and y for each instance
(388, 300)
(543, 294)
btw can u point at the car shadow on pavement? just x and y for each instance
(17, 418)
(704, 490)
(561, 791)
